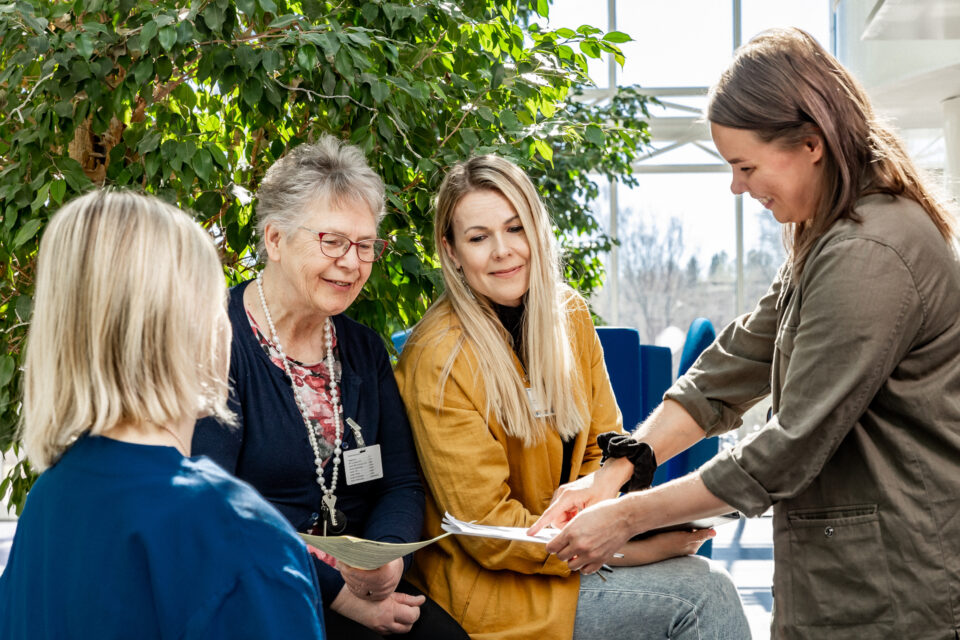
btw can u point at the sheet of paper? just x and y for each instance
(364, 554)
(459, 527)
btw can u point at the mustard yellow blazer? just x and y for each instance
(494, 588)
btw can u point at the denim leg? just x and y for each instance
(686, 598)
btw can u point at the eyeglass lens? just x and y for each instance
(335, 245)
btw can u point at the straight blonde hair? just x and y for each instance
(784, 86)
(548, 353)
(129, 323)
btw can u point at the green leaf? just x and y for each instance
(544, 150)
(218, 156)
(24, 307)
(497, 75)
(617, 37)
(271, 60)
(543, 8)
(249, 7)
(213, 16)
(380, 91)
(84, 46)
(168, 37)
(58, 189)
(283, 21)
(7, 367)
(185, 151)
(252, 92)
(148, 33)
(510, 122)
(590, 48)
(202, 164)
(209, 203)
(143, 71)
(26, 232)
(268, 6)
(594, 135)
(40, 201)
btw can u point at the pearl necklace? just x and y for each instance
(332, 516)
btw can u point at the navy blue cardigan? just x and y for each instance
(270, 449)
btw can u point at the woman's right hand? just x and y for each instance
(394, 614)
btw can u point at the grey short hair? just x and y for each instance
(329, 170)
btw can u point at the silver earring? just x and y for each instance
(466, 285)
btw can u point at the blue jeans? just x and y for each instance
(686, 598)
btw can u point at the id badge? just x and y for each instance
(363, 464)
(536, 405)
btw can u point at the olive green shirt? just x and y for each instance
(861, 458)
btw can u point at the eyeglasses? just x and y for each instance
(335, 245)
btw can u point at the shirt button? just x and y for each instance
(828, 532)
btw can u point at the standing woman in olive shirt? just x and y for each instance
(857, 340)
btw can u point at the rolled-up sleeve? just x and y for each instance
(859, 314)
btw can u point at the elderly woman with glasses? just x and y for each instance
(323, 434)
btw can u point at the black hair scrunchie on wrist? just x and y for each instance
(618, 445)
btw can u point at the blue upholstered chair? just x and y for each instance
(399, 339)
(639, 373)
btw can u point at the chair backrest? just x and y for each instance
(699, 337)
(399, 339)
(639, 373)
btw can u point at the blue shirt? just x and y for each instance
(121, 540)
(270, 449)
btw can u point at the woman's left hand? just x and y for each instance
(375, 584)
(661, 547)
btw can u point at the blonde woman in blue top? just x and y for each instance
(124, 535)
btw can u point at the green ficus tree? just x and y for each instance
(193, 101)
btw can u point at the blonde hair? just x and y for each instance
(129, 323)
(784, 86)
(547, 351)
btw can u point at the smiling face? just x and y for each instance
(786, 180)
(489, 245)
(312, 281)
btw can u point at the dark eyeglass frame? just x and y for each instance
(381, 242)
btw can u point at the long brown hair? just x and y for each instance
(784, 86)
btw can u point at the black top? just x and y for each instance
(269, 448)
(512, 320)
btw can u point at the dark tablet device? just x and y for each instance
(705, 523)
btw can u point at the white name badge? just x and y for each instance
(362, 465)
(537, 405)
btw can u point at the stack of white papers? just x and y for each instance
(459, 527)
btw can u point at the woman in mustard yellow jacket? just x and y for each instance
(506, 389)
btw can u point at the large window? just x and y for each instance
(688, 248)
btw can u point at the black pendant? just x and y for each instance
(335, 525)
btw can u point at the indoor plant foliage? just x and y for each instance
(192, 101)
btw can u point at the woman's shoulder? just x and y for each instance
(224, 501)
(900, 225)
(439, 326)
(432, 340)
